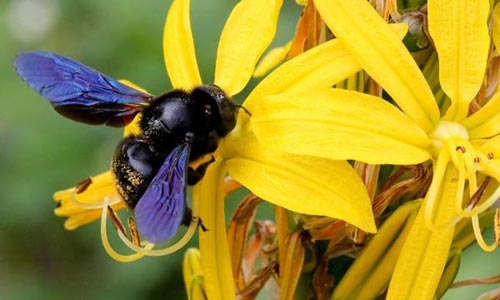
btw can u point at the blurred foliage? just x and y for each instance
(42, 152)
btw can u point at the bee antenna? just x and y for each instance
(243, 108)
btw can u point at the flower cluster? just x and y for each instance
(376, 115)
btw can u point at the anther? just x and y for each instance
(477, 160)
(134, 233)
(490, 155)
(479, 193)
(83, 185)
(460, 148)
(116, 220)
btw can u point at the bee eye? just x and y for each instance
(207, 110)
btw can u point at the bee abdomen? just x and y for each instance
(129, 183)
(133, 167)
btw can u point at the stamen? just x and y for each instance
(134, 233)
(460, 148)
(482, 161)
(459, 196)
(148, 248)
(98, 205)
(479, 193)
(83, 185)
(470, 167)
(160, 252)
(105, 242)
(490, 155)
(441, 165)
(479, 236)
(483, 206)
(116, 220)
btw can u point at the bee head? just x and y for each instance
(221, 105)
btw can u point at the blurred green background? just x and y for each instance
(42, 152)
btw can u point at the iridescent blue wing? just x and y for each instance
(79, 92)
(160, 210)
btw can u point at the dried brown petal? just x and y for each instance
(291, 269)
(310, 31)
(322, 282)
(369, 175)
(392, 191)
(257, 282)
(237, 232)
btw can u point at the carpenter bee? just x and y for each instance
(151, 169)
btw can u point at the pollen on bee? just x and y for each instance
(134, 179)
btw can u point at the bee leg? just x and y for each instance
(195, 175)
(188, 218)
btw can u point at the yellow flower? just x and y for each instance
(309, 184)
(341, 124)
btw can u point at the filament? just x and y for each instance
(147, 250)
(479, 236)
(431, 199)
(98, 205)
(105, 242)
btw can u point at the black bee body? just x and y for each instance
(151, 169)
(200, 118)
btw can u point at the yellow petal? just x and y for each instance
(303, 184)
(193, 273)
(319, 67)
(382, 54)
(134, 86)
(485, 122)
(460, 32)
(370, 273)
(425, 252)
(322, 66)
(214, 250)
(133, 127)
(248, 32)
(271, 60)
(340, 124)
(496, 28)
(178, 47)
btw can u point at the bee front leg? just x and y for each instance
(195, 175)
(188, 218)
